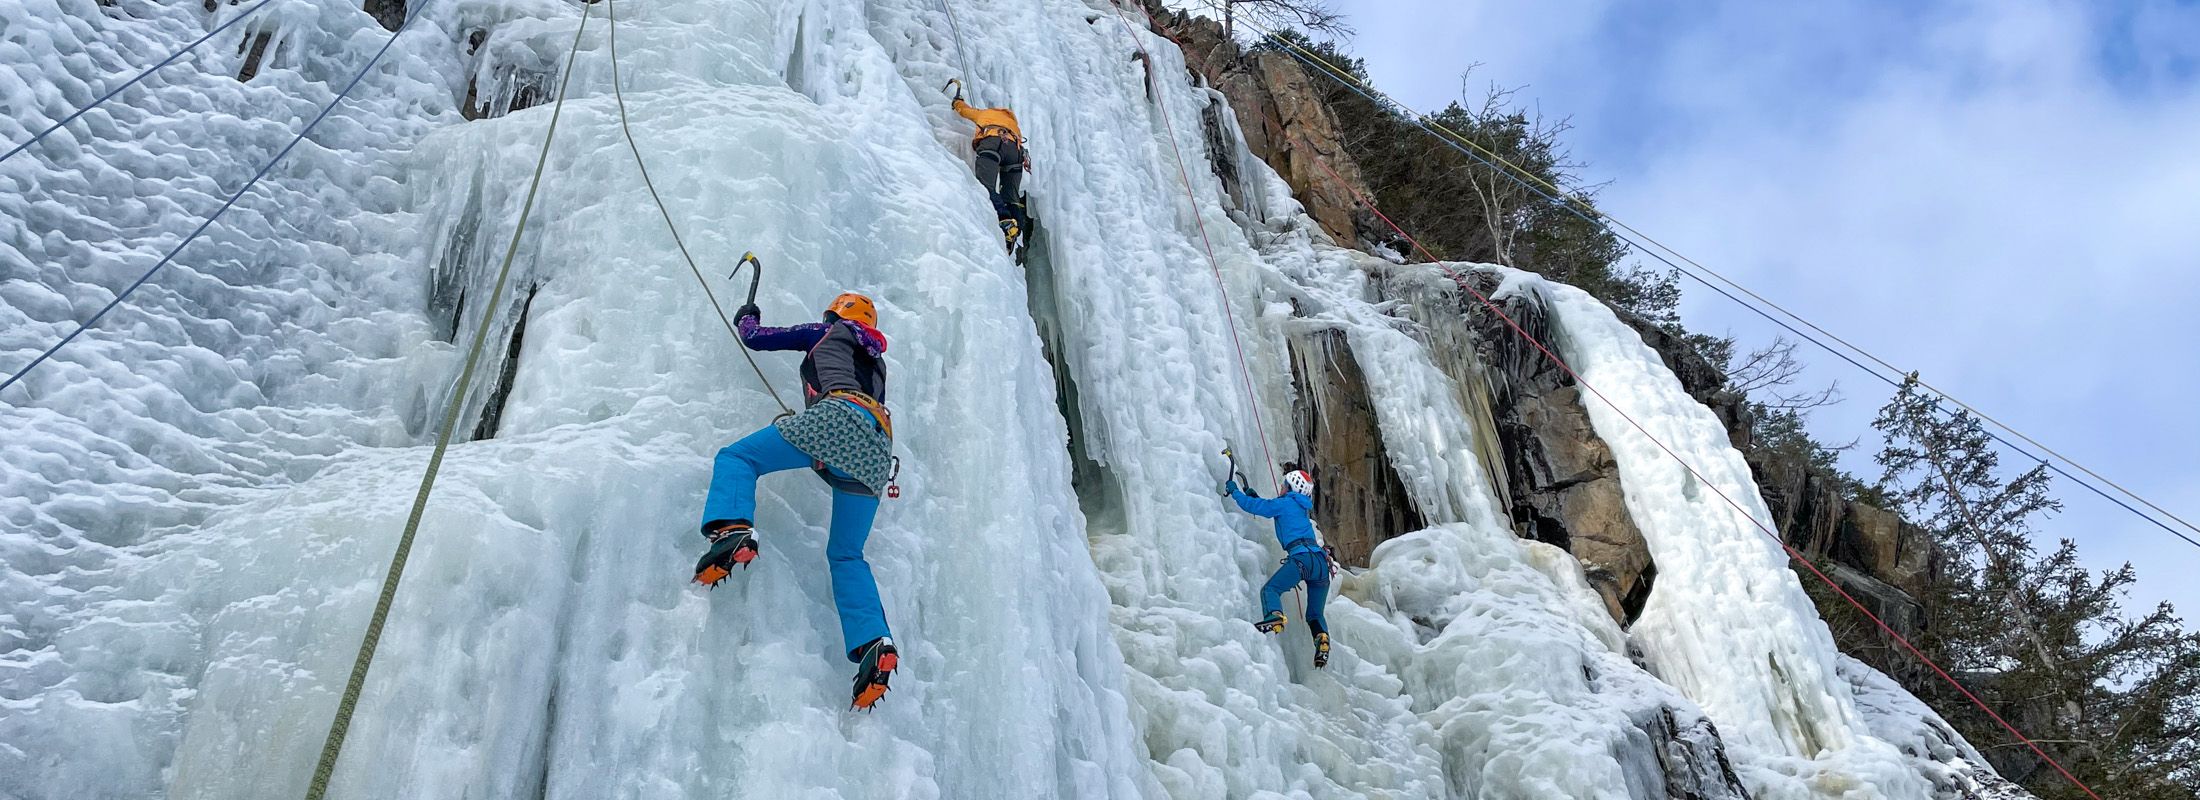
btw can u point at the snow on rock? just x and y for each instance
(198, 499)
(1956, 769)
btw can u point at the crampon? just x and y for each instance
(1272, 624)
(872, 672)
(733, 544)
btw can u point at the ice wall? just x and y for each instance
(1729, 623)
(200, 496)
(545, 643)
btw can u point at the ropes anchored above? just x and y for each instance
(962, 56)
(96, 316)
(1581, 207)
(1252, 398)
(611, 11)
(350, 697)
(341, 725)
(1761, 525)
(148, 71)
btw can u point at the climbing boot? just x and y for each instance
(1321, 649)
(1272, 624)
(731, 544)
(873, 668)
(1010, 230)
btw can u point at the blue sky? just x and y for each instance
(2004, 195)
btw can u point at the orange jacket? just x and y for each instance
(990, 121)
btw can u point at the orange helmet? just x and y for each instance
(850, 305)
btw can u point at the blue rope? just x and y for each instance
(133, 81)
(1572, 207)
(209, 221)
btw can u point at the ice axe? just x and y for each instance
(756, 273)
(1228, 453)
(954, 82)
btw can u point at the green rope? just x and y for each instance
(341, 726)
(612, 11)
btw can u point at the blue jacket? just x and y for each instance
(1294, 525)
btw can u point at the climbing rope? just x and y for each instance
(1580, 207)
(1222, 289)
(226, 204)
(612, 12)
(139, 77)
(1793, 553)
(341, 726)
(962, 56)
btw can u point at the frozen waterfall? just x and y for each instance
(198, 499)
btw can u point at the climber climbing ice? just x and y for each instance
(999, 143)
(846, 435)
(1305, 560)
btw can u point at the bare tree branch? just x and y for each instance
(1312, 15)
(1768, 374)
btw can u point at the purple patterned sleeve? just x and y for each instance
(799, 337)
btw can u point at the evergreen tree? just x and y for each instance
(2041, 639)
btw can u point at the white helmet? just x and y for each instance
(1298, 481)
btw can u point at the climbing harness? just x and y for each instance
(1222, 289)
(871, 406)
(618, 93)
(225, 206)
(1581, 208)
(341, 725)
(148, 71)
(1794, 554)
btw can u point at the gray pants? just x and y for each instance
(1000, 170)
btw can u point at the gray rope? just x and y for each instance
(611, 10)
(961, 55)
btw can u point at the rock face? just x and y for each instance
(1561, 481)
(1267, 89)
(1362, 502)
(1693, 759)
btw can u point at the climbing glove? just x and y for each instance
(1229, 487)
(746, 311)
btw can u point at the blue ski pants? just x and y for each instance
(1310, 567)
(733, 496)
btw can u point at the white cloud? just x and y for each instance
(2003, 194)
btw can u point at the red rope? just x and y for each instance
(1244, 373)
(1761, 526)
(1768, 531)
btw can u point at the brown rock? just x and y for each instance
(1560, 480)
(1569, 483)
(1362, 502)
(1892, 549)
(1269, 89)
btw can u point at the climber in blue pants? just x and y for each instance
(846, 436)
(733, 497)
(1305, 560)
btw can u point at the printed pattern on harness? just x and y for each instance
(840, 434)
